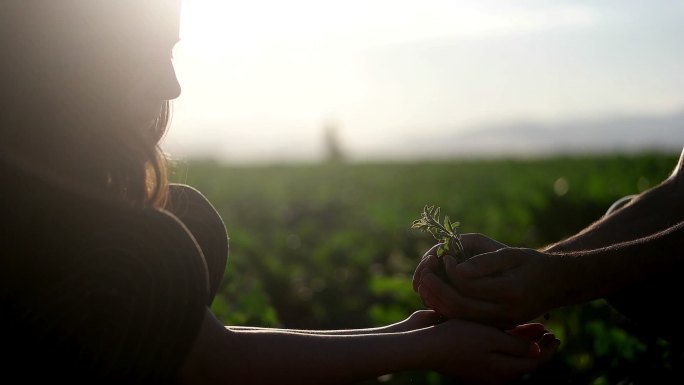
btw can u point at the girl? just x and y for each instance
(108, 272)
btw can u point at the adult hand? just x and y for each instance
(503, 288)
(479, 354)
(473, 244)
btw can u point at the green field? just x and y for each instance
(330, 245)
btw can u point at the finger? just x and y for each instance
(443, 298)
(496, 288)
(518, 346)
(514, 365)
(426, 317)
(548, 345)
(488, 264)
(432, 250)
(437, 295)
(475, 243)
(430, 261)
(440, 296)
(531, 331)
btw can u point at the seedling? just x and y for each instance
(444, 231)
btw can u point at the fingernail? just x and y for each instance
(535, 350)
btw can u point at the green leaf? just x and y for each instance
(443, 231)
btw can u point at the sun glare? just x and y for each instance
(221, 27)
(280, 70)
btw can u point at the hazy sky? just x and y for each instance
(261, 78)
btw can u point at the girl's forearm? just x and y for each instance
(271, 356)
(401, 326)
(341, 332)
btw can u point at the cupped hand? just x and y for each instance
(473, 244)
(480, 354)
(503, 288)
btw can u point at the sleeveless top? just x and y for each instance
(93, 291)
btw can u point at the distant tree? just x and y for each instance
(332, 147)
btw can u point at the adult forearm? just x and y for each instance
(608, 270)
(650, 212)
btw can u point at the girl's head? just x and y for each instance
(86, 87)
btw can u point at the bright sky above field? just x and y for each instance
(261, 78)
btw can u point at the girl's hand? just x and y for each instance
(479, 354)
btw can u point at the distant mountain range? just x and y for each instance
(624, 134)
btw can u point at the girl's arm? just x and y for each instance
(419, 319)
(471, 352)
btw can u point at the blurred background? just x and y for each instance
(320, 129)
(265, 80)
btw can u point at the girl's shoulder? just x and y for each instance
(102, 290)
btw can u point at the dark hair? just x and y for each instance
(63, 75)
(139, 176)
